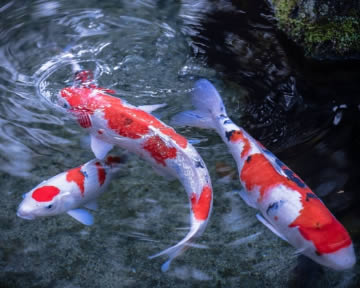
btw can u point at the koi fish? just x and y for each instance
(112, 121)
(70, 192)
(288, 207)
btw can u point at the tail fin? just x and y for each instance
(208, 104)
(194, 118)
(207, 99)
(196, 230)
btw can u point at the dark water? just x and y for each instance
(151, 52)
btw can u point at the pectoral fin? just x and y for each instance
(92, 205)
(82, 216)
(271, 227)
(151, 108)
(245, 197)
(194, 118)
(99, 147)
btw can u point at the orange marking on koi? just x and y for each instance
(75, 175)
(201, 207)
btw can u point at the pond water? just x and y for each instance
(152, 52)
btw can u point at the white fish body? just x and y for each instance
(113, 122)
(70, 192)
(287, 205)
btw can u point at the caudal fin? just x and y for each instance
(208, 104)
(206, 98)
(196, 230)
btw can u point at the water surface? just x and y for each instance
(149, 52)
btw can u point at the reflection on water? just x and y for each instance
(150, 52)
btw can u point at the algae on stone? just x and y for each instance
(322, 28)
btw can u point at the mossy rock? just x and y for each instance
(325, 29)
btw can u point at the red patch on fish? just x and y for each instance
(180, 140)
(110, 160)
(158, 149)
(201, 207)
(101, 173)
(83, 118)
(237, 136)
(75, 175)
(45, 193)
(261, 173)
(126, 121)
(75, 96)
(315, 222)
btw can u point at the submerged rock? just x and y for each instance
(325, 29)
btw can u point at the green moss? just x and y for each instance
(283, 9)
(338, 35)
(342, 34)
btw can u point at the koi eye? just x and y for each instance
(65, 105)
(49, 206)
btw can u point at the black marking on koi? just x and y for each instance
(196, 115)
(278, 162)
(228, 134)
(248, 159)
(291, 175)
(199, 164)
(84, 173)
(310, 196)
(274, 206)
(268, 152)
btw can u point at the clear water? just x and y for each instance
(145, 52)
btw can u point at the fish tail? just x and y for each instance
(206, 98)
(208, 104)
(196, 230)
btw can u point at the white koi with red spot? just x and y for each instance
(70, 192)
(113, 122)
(288, 207)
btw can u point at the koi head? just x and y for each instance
(44, 200)
(81, 102)
(325, 240)
(341, 259)
(77, 95)
(74, 98)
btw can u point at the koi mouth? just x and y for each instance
(27, 217)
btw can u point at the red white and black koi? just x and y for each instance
(111, 121)
(70, 191)
(289, 208)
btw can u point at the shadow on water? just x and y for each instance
(306, 111)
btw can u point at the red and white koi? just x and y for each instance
(71, 191)
(111, 121)
(289, 208)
